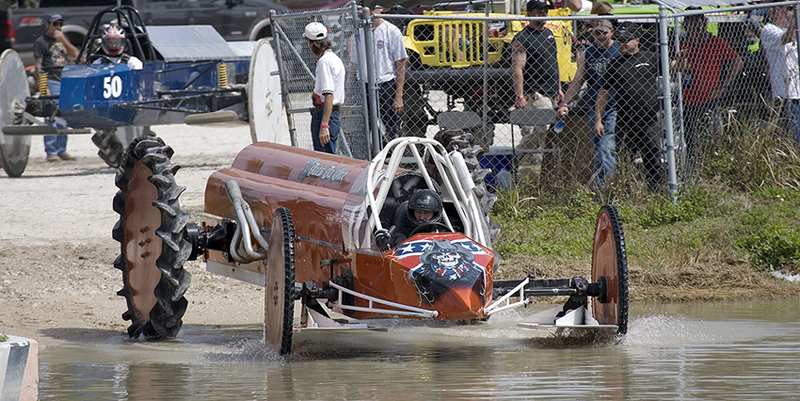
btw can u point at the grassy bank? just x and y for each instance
(720, 239)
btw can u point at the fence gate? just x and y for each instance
(297, 64)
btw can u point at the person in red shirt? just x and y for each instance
(701, 62)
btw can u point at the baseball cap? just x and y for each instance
(695, 8)
(53, 17)
(316, 31)
(602, 24)
(536, 5)
(627, 30)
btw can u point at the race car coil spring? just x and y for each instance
(43, 83)
(222, 75)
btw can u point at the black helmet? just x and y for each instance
(425, 199)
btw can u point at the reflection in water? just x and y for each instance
(743, 350)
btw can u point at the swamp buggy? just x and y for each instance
(303, 225)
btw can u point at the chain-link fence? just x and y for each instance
(674, 82)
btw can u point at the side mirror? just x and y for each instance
(232, 3)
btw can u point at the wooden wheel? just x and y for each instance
(610, 264)
(279, 284)
(14, 149)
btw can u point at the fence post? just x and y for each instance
(371, 89)
(667, 99)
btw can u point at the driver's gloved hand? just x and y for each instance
(383, 237)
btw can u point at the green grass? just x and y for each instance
(742, 211)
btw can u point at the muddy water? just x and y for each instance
(723, 351)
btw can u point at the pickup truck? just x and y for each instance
(233, 19)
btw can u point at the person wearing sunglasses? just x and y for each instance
(591, 68)
(634, 76)
(50, 52)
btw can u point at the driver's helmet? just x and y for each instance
(113, 40)
(425, 199)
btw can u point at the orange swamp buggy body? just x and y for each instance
(303, 224)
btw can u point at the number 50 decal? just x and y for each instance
(112, 86)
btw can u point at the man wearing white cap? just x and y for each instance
(328, 92)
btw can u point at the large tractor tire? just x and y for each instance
(150, 231)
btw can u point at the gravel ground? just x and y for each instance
(57, 281)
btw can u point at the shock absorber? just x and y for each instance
(43, 83)
(222, 75)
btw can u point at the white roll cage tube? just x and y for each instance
(457, 187)
(402, 310)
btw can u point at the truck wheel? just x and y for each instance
(150, 231)
(14, 149)
(610, 260)
(279, 294)
(111, 149)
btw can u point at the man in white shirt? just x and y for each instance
(779, 42)
(390, 70)
(328, 94)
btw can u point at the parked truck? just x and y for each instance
(22, 21)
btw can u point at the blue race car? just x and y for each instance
(187, 74)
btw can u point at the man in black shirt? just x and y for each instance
(635, 77)
(534, 60)
(50, 53)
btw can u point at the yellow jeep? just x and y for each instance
(459, 43)
(447, 55)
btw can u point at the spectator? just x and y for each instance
(574, 5)
(591, 68)
(390, 71)
(701, 62)
(634, 76)
(50, 53)
(534, 61)
(585, 38)
(113, 50)
(779, 42)
(328, 94)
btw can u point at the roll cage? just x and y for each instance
(136, 38)
(407, 164)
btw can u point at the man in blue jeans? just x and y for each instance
(50, 53)
(591, 68)
(328, 92)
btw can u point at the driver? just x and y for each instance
(424, 206)
(113, 49)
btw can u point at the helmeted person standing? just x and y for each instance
(328, 94)
(50, 52)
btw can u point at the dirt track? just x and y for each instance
(56, 252)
